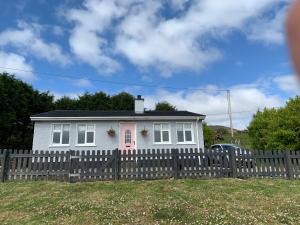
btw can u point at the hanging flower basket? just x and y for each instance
(144, 132)
(111, 132)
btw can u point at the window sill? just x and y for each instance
(163, 143)
(58, 146)
(85, 145)
(186, 143)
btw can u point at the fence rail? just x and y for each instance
(145, 164)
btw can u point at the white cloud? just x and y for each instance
(140, 31)
(84, 83)
(86, 40)
(288, 83)
(178, 4)
(27, 39)
(12, 60)
(269, 30)
(168, 45)
(244, 98)
(57, 30)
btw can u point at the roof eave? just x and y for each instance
(200, 117)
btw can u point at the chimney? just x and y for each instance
(139, 104)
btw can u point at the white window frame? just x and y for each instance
(85, 143)
(161, 135)
(192, 133)
(61, 133)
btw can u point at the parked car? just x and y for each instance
(242, 161)
(229, 147)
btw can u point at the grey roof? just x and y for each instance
(98, 113)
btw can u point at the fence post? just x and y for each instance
(5, 165)
(175, 163)
(232, 163)
(71, 166)
(288, 165)
(116, 164)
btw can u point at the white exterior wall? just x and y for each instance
(43, 130)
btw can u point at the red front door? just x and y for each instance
(127, 136)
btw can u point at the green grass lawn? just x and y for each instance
(224, 201)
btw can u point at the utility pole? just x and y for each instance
(230, 113)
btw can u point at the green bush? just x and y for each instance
(277, 129)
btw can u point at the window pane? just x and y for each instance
(179, 126)
(188, 135)
(90, 137)
(180, 136)
(127, 137)
(165, 136)
(81, 128)
(66, 127)
(165, 126)
(56, 127)
(188, 126)
(81, 136)
(157, 137)
(157, 127)
(56, 138)
(65, 137)
(90, 127)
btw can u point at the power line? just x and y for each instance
(127, 83)
(140, 85)
(238, 112)
(112, 82)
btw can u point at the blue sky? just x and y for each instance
(195, 47)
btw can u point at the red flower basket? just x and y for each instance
(111, 132)
(144, 132)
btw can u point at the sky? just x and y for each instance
(186, 52)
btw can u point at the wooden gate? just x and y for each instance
(95, 165)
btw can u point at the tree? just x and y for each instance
(18, 102)
(164, 106)
(66, 103)
(208, 136)
(220, 134)
(286, 130)
(277, 129)
(122, 101)
(260, 128)
(97, 101)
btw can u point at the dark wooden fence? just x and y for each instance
(75, 166)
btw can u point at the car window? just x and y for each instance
(228, 147)
(217, 147)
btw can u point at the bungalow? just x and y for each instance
(106, 130)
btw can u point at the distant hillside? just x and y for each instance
(217, 127)
(222, 134)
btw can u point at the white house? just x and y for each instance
(107, 130)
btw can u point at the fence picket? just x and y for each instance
(293, 163)
(147, 164)
(298, 164)
(4, 163)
